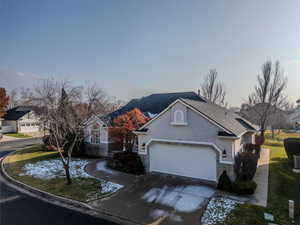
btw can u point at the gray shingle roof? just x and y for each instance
(227, 119)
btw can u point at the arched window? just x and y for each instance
(178, 117)
(95, 134)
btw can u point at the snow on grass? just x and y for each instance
(217, 210)
(101, 166)
(53, 168)
(109, 187)
(181, 198)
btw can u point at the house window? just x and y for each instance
(95, 134)
(178, 118)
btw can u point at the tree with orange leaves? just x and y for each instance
(4, 99)
(125, 124)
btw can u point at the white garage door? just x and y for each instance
(29, 127)
(184, 160)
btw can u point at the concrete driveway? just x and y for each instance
(158, 199)
(98, 169)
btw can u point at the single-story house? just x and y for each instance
(295, 117)
(98, 141)
(21, 119)
(194, 138)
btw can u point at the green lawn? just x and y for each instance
(80, 189)
(18, 135)
(283, 186)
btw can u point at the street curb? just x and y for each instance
(19, 140)
(60, 201)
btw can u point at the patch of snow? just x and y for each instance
(101, 166)
(157, 213)
(217, 210)
(53, 168)
(108, 187)
(181, 198)
(201, 191)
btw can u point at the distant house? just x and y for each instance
(21, 119)
(295, 116)
(97, 135)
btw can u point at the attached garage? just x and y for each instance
(29, 127)
(196, 161)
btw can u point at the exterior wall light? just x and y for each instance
(224, 154)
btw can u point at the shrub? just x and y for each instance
(245, 166)
(292, 147)
(254, 148)
(128, 162)
(46, 140)
(224, 183)
(244, 187)
(259, 140)
(78, 149)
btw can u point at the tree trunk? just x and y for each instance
(67, 170)
(273, 133)
(262, 132)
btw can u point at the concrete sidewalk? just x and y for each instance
(260, 197)
(9, 138)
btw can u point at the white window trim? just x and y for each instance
(181, 122)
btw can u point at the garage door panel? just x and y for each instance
(184, 160)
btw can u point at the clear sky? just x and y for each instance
(131, 48)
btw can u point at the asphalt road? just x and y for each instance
(19, 209)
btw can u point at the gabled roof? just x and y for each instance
(154, 103)
(222, 116)
(17, 112)
(232, 123)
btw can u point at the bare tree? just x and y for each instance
(268, 94)
(212, 89)
(13, 98)
(26, 96)
(97, 99)
(58, 100)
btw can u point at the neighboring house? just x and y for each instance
(98, 140)
(194, 139)
(21, 119)
(96, 137)
(295, 116)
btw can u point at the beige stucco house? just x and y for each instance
(195, 139)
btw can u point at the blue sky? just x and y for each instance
(131, 48)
